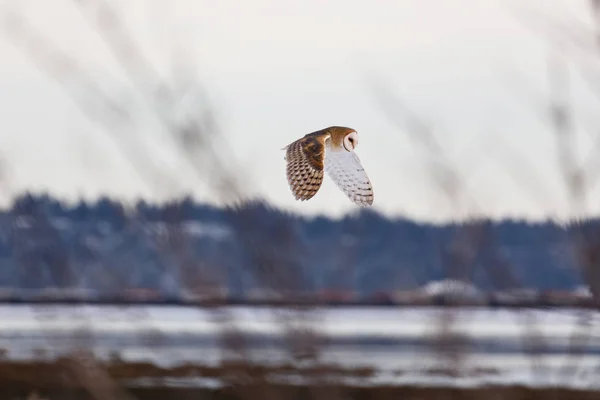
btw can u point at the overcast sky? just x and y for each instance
(276, 70)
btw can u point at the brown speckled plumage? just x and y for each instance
(305, 164)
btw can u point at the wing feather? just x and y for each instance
(345, 169)
(305, 165)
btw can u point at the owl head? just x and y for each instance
(343, 137)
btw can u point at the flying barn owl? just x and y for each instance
(331, 150)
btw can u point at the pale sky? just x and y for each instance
(277, 70)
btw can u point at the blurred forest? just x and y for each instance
(108, 247)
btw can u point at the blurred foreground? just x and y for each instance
(231, 351)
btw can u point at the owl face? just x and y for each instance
(350, 141)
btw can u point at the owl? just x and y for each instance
(331, 150)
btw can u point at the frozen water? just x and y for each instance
(397, 342)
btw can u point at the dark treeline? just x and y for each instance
(107, 246)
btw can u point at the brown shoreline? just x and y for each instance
(277, 392)
(80, 378)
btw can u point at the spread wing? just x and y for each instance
(345, 169)
(305, 164)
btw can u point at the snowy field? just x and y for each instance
(399, 343)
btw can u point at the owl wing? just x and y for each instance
(345, 169)
(305, 164)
